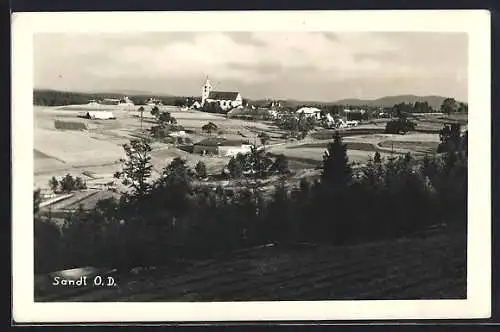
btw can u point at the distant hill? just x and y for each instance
(389, 101)
(47, 97)
(138, 92)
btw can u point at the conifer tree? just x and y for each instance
(137, 168)
(336, 168)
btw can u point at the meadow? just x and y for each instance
(79, 146)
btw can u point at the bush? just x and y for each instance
(212, 108)
(399, 126)
(280, 165)
(67, 184)
(47, 254)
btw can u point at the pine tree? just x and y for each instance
(201, 170)
(280, 165)
(173, 189)
(336, 168)
(54, 184)
(235, 167)
(67, 183)
(137, 168)
(278, 223)
(37, 199)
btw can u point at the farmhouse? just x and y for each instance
(225, 99)
(100, 115)
(221, 147)
(310, 112)
(126, 101)
(154, 102)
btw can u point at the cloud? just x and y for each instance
(252, 59)
(331, 36)
(244, 37)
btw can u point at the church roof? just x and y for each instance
(223, 95)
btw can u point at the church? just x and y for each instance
(226, 99)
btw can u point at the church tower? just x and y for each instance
(205, 91)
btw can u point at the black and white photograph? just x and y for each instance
(302, 161)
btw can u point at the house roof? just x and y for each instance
(219, 141)
(223, 95)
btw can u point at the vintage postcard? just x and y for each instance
(251, 166)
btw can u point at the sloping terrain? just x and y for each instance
(426, 267)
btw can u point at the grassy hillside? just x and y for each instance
(428, 267)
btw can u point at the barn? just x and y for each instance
(100, 115)
(221, 146)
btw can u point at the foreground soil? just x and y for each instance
(429, 266)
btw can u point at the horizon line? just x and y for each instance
(149, 93)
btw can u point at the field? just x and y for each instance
(432, 266)
(97, 149)
(428, 267)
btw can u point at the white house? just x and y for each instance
(310, 112)
(180, 133)
(225, 99)
(126, 101)
(93, 102)
(232, 151)
(154, 102)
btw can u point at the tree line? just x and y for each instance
(257, 165)
(67, 184)
(160, 221)
(296, 126)
(61, 98)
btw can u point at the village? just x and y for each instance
(85, 141)
(246, 164)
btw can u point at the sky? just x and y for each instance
(319, 66)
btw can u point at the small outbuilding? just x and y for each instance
(221, 147)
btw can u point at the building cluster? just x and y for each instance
(125, 101)
(225, 99)
(232, 100)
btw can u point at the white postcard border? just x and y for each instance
(474, 22)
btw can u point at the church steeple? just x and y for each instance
(205, 91)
